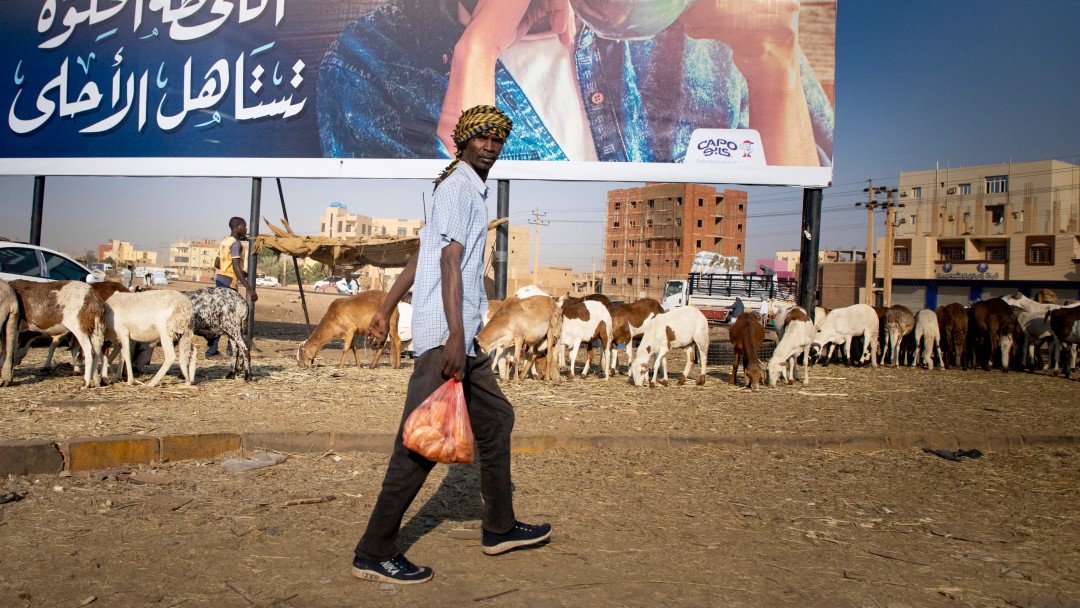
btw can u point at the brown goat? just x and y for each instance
(747, 335)
(953, 320)
(345, 318)
(520, 322)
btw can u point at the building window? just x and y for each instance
(648, 263)
(646, 281)
(997, 184)
(952, 254)
(402, 231)
(322, 227)
(916, 192)
(614, 244)
(901, 255)
(416, 231)
(339, 228)
(676, 263)
(679, 200)
(700, 202)
(630, 263)
(740, 227)
(678, 221)
(618, 205)
(633, 223)
(614, 263)
(650, 203)
(648, 243)
(648, 223)
(738, 247)
(1040, 254)
(613, 281)
(740, 206)
(699, 223)
(965, 188)
(997, 253)
(698, 244)
(615, 224)
(629, 280)
(633, 204)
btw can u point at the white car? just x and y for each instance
(266, 282)
(36, 263)
(158, 278)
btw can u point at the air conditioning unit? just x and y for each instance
(951, 190)
(903, 194)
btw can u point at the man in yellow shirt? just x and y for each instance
(230, 265)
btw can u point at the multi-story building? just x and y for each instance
(980, 232)
(193, 258)
(652, 233)
(337, 222)
(123, 253)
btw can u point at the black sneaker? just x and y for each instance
(521, 535)
(396, 570)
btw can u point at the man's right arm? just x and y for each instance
(378, 327)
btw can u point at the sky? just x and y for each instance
(918, 83)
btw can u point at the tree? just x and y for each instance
(90, 256)
(110, 260)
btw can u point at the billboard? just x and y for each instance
(599, 90)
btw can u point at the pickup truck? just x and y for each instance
(714, 293)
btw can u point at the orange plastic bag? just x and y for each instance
(439, 428)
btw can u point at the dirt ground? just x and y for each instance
(708, 525)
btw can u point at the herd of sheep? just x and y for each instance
(106, 321)
(531, 333)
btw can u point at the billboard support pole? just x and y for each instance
(296, 265)
(808, 251)
(253, 231)
(502, 239)
(35, 214)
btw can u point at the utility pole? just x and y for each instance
(872, 204)
(890, 237)
(537, 221)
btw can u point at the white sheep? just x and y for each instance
(683, 327)
(149, 316)
(928, 338)
(586, 321)
(843, 323)
(797, 331)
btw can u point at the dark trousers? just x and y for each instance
(492, 419)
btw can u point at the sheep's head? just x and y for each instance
(776, 370)
(755, 376)
(639, 367)
(303, 358)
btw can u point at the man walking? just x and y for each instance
(448, 300)
(230, 265)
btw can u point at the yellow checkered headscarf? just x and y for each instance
(474, 121)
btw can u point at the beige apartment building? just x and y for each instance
(123, 253)
(981, 232)
(337, 222)
(652, 234)
(193, 258)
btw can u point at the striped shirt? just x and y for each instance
(458, 213)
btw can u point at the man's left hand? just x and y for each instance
(454, 353)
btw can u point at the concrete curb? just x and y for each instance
(42, 456)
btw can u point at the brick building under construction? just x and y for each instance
(652, 234)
